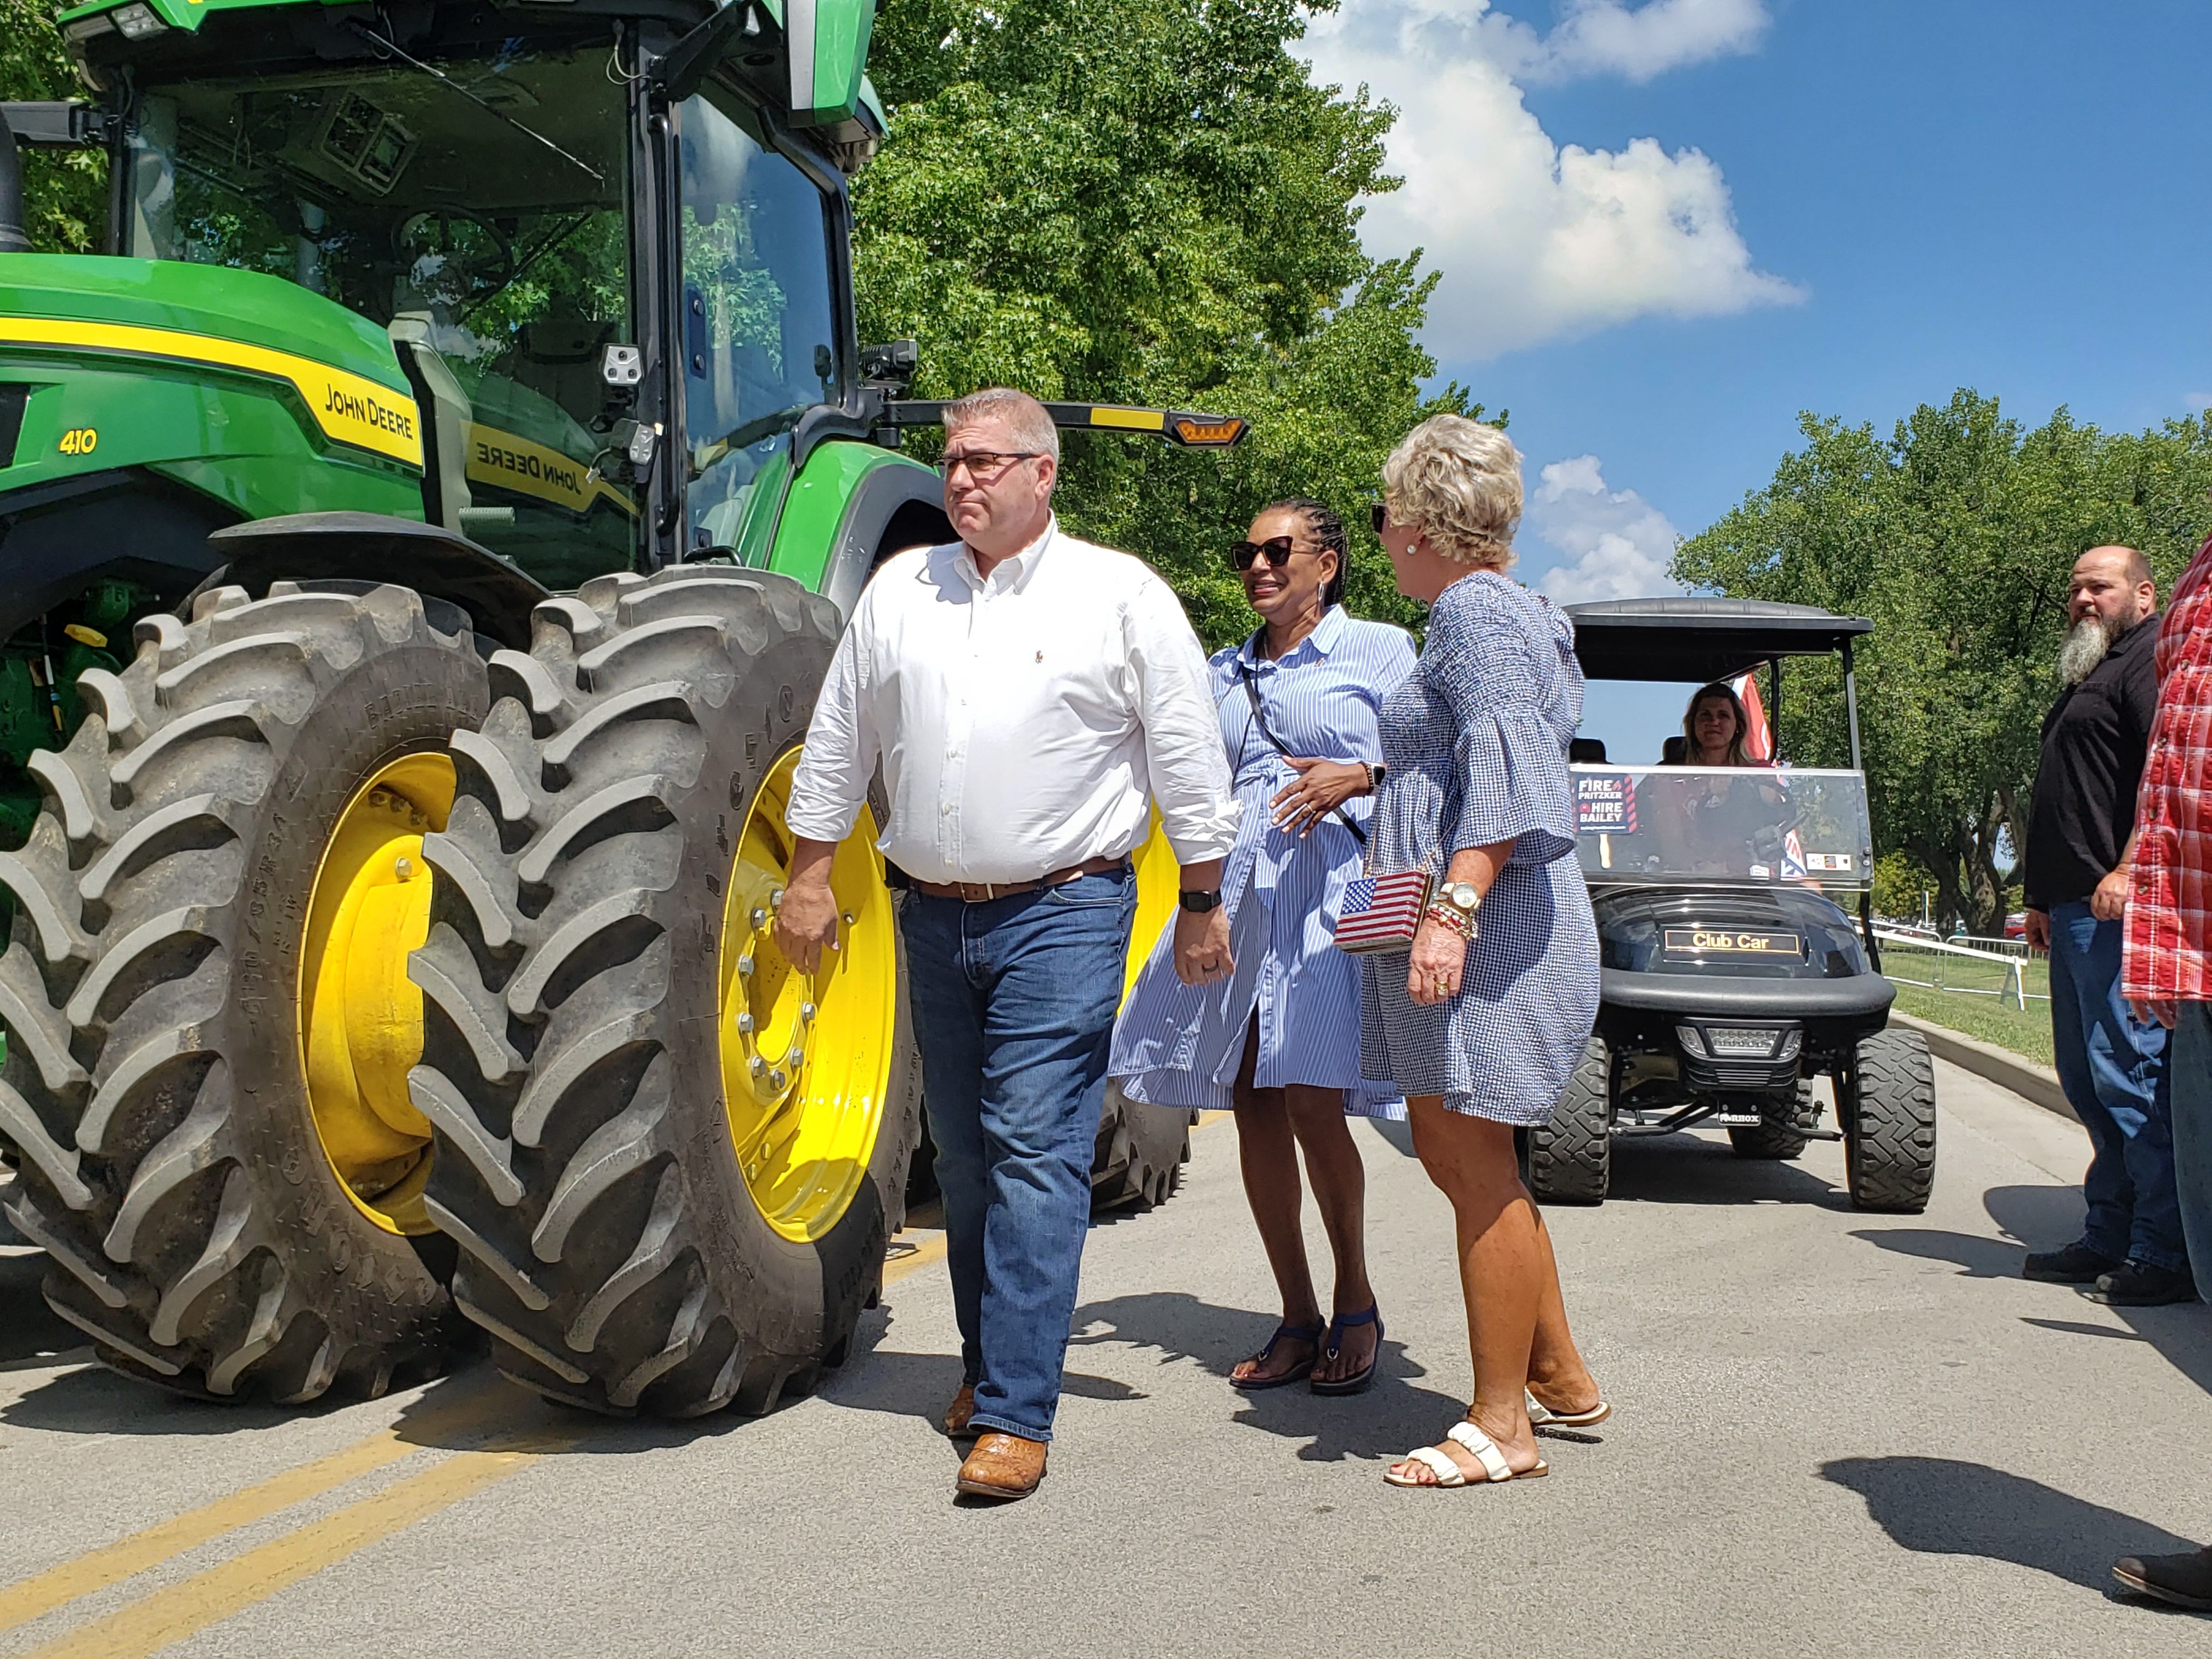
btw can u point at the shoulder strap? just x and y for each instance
(1260, 718)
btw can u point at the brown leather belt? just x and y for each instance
(978, 892)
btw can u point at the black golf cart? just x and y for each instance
(1732, 974)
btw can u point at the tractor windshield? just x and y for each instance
(1669, 824)
(759, 332)
(476, 208)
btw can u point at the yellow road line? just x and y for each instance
(185, 1608)
(36, 1597)
(929, 1250)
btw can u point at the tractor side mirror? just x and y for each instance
(890, 367)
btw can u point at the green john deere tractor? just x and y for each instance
(421, 542)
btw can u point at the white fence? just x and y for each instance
(1946, 963)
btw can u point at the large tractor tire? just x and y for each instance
(209, 1025)
(1140, 1153)
(1570, 1152)
(671, 1163)
(1887, 1101)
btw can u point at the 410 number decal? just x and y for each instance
(79, 440)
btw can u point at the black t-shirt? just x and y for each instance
(2094, 741)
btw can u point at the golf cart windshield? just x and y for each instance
(477, 205)
(1755, 825)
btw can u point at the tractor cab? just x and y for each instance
(1737, 958)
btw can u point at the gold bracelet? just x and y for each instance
(1445, 915)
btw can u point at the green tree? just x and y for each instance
(1954, 536)
(1153, 204)
(64, 192)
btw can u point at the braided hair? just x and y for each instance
(1327, 528)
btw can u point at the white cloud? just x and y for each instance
(1537, 242)
(1604, 36)
(1616, 544)
(2198, 401)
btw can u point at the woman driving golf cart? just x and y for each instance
(1736, 826)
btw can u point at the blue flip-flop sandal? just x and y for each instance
(1337, 1327)
(1256, 1384)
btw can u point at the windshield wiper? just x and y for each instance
(383, 44)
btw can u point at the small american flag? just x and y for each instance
(1381, 912)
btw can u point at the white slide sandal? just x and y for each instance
(1541, 1416)
(1439, 1462)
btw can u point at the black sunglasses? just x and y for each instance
(1278, 550)
(1378, 515)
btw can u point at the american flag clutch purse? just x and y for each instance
(1381, 912)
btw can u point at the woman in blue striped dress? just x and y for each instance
(1278, 1040)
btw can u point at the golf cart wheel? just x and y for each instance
(1770, 1140)
(1571, 1153)
(1889, 1111)
(210, 1024)
(671, 1162)
(1140, 1153)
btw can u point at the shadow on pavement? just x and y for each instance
(28, 1328)
(1687, 1168)
(1975, 1257)
(1939, 1506)
(1390, 1417)
(2044, 1217)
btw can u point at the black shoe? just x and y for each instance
(2078, 1264)
(2139, 1285)
(2186, 1581)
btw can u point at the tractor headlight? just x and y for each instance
(138, 22)
(1692, 1039)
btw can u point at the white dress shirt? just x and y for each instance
(1025, 722)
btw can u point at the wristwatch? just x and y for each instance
(1462, 895)
(1200, 900)
(1376, 773)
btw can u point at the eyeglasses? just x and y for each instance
(984, 465)
(1378, 515)
(1277, 549)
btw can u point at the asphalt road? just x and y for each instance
(1834, 1434)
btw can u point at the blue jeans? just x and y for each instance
(2190, 1056)
(1014, 1008)
(2113, 1069)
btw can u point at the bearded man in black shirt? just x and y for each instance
(2080, 837)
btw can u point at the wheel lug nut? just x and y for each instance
(758, 1065)
(746, 966)
(745, 1022)
(776, 1079)
(806, 1011)
(403, 868)
(759, 915)
(776, 899)
(850, 918)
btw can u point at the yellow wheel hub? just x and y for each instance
(361, 1017)
(806, 1059)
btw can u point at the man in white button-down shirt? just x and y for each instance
(1031, 698)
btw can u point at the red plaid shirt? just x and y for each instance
(2168, 954)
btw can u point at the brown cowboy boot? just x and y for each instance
(1003, 1466)
(957, 1413)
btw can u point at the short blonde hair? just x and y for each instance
(1025, 417)
(1458, 483)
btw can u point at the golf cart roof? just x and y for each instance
(1700, 639)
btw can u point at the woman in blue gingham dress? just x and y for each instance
(1482, 1022)
(1475, 744)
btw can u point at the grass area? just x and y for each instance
(2026, 1033)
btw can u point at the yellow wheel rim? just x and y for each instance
(806, 1059)
(359, 1016)
(1159, 877)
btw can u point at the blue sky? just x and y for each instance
(1667, 228)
